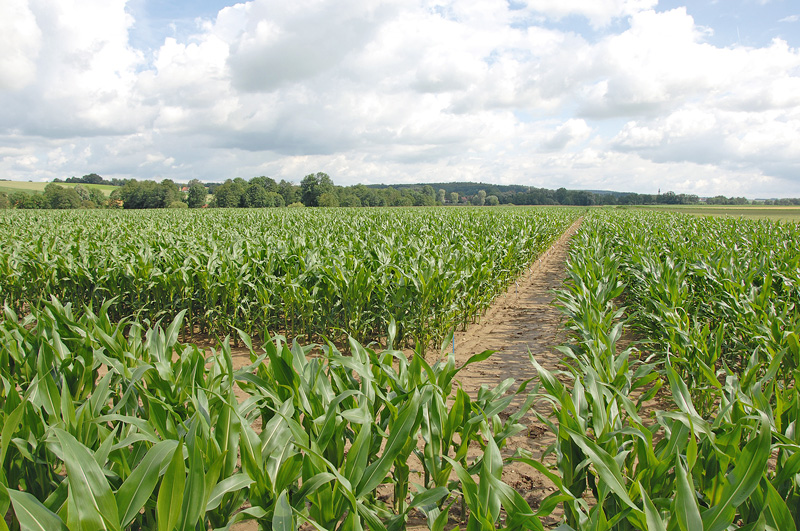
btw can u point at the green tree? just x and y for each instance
(454, 197)
(147, 194)
(266, 183)
(276, 199)
(348, 199)
(256, 196)
(24, 200)
(4, 202)
(328, 199)
(58, 197)
(90, 197)
(479, 199)
(169, 192)
(313, 186)
(440, 195)
(289, 191)
(229, 194)
(196, 197)
(492, 200)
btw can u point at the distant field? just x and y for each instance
(781, 213)
(24, 186)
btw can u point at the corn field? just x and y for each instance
(314, 273)
(117, 426)
(677, 408)
(711, 307)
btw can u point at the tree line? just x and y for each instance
(319, 190)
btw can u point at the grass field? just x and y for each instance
(24, 186)
(777, 213)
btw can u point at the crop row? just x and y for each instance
(119, 426)
(293, 271)
(713, 304)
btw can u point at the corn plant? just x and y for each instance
(306, 273)
(704, 462)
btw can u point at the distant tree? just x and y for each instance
(348, 198)
(170, 192)
(563, 196)
(276, 199)
(582, 198)
(178, 204)
(313, 186)
(328, 199)
(23, 200)
(492, 200)
(427, 197)
(196, 197)
(61, 198)
(90, 197)
(255, 196)
(368, 197)
(454, 197)
(146, 194)
(82, 192)
(4, 202)
(479, 199)
(266, 183)
(440, 195)
(229, 194)
(289, 192)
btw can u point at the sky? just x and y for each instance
(695, 97)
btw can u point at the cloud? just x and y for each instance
(598, 12)
(292, 41)
(80, 82)
(569, 133)
(396, 91)
(20, 42)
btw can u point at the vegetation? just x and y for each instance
(715, 303)
(109, 421)
(119, 426)
(318, 190)
(293, 270)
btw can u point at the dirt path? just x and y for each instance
(520, 321)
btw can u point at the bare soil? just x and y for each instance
(521, 321)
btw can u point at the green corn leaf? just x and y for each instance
(230, 484)
(520, 515)
(10, 425)
(283, 519)
(776, 512)
(652, 517)
(685, 509)
(313, 483)
(749, 468)
(170, 494)
(607, 468)
(355, 462)
(90, 494)
(32, 515)
(194, 495)
(406, 423)
(137, 488)
(680, 392)
(429, 497)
